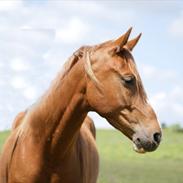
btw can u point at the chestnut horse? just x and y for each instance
(53, 141)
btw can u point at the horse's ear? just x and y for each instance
(118, 44)
(122, 40)
(131, 44)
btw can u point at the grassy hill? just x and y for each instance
(120, 164)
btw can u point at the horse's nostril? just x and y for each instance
(138, 140)
(157, 137)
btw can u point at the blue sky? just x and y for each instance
(38, 36)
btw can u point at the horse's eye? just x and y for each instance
(128, 79)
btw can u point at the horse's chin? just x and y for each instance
(138, 149)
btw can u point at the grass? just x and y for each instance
(120, 164)
(3, 136)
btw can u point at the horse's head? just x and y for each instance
(115, 91)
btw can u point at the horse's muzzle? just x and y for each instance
(144, 144)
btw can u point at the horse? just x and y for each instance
(53, 141)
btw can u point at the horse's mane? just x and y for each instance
(23, 126)
(71, 61)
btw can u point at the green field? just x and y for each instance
(120, 164)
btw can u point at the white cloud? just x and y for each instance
(158, 97)
(30, 93)
(74, 31)
(18, 64)
(1, 65)
(6, 5)
(177, 93)
(165, 92)
(151, 72)
(2, 83)
(18, 82)
(176, 27)
(178, 108)
(157, 101)
(169, 105)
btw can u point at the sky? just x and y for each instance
(37, 37)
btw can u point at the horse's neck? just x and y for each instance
(59, 114)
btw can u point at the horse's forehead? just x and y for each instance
(123, 60)
(125, 65)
